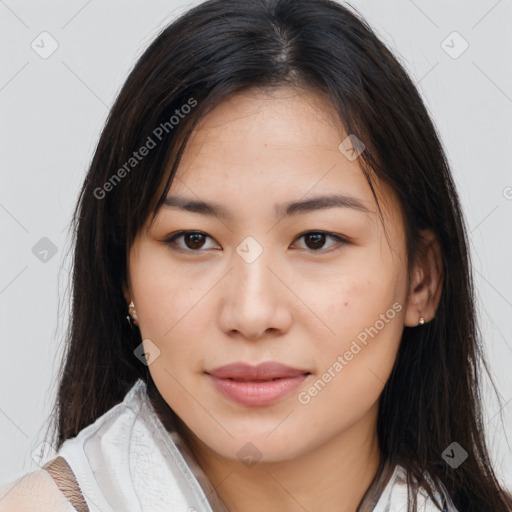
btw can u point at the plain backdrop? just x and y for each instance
(52, 109)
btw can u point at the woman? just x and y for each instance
(270, 207)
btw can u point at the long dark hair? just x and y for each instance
(218, 49)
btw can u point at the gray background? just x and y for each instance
(52, 111)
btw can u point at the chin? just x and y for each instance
(258, 447)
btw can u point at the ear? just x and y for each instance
(126, 292)
(426, 281)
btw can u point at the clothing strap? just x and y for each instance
(65, 479)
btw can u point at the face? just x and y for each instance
(318, 289)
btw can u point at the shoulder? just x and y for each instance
(35, 491)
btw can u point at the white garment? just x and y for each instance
(127, 461)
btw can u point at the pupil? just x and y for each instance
(195, 240)
(319, 239)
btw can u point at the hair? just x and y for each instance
(223, 47)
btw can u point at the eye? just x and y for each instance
(316, 239)
(194, 240)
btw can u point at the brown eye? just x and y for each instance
(315, 240)
(194, 241)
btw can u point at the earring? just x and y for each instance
(421, 321)
(132, 314)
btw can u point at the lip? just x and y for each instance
(259, 385)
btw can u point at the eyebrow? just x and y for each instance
(288, 209)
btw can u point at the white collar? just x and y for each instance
(127, 460)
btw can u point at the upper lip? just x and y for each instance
(262, 371)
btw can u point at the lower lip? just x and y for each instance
(257, 393)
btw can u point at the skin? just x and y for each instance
(303, 308)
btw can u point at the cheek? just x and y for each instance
(357, 300)
(365, 317)
(168, 303)
(354, 363)
(171, 314)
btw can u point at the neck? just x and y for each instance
(333, 477)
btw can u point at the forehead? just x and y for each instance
(291, 117)
(259, 149)
(271, 139)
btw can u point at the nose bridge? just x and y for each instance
(251, 263)
(252, 299)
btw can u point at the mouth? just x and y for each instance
(256, 380)
(256, 386)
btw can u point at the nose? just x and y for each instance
(255, 299)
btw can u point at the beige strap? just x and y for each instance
(65, 479)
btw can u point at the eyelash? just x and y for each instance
(171, 240)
